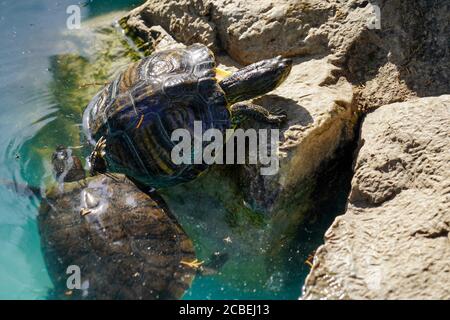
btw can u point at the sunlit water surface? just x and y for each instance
(30, 33)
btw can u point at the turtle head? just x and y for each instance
(66, 166)
(256, 79)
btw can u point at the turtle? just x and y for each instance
(127, 244)
(131, 120)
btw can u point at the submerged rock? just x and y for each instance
(393, 240)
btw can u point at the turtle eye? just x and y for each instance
(60, 155)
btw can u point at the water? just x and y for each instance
(41, 108)
(30, 34)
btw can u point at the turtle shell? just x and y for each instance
(126, 244)
(138, 112)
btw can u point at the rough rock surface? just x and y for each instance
(393, 241)
(405, 57)
(249, 30)
(408, 56)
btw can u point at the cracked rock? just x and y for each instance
(393, 240)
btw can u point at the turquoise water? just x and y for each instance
(33, 121)
(30, 33)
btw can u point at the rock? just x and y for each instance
(407, 57)
(399, 61)
(248, 30)
(162, 40)
(186, 20)
(393, 240)
(253, 30)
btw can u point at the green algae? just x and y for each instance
(90, 58)
(145, 46)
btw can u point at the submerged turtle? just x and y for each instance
(126, 243)
(132, 119)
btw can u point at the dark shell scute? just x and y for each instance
(140, 110)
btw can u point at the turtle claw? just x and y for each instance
(101, 145)
(196, 264)
(258, 113)
(97, 157)
(277, 117)
(84, 212)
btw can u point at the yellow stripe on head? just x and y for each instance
(222, 74)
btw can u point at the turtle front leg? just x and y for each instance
(97, 158)
(250, 110)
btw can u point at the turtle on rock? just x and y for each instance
(126, 243)
(131, 120)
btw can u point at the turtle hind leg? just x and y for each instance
(215, 264)
(250, 110)
(97, 159)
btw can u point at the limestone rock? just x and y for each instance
(406, 56)
(393, 241)
(249, 30)
(186, 20)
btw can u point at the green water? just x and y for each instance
(32, 122)
(41, 106)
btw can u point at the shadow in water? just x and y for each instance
(330, 200)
